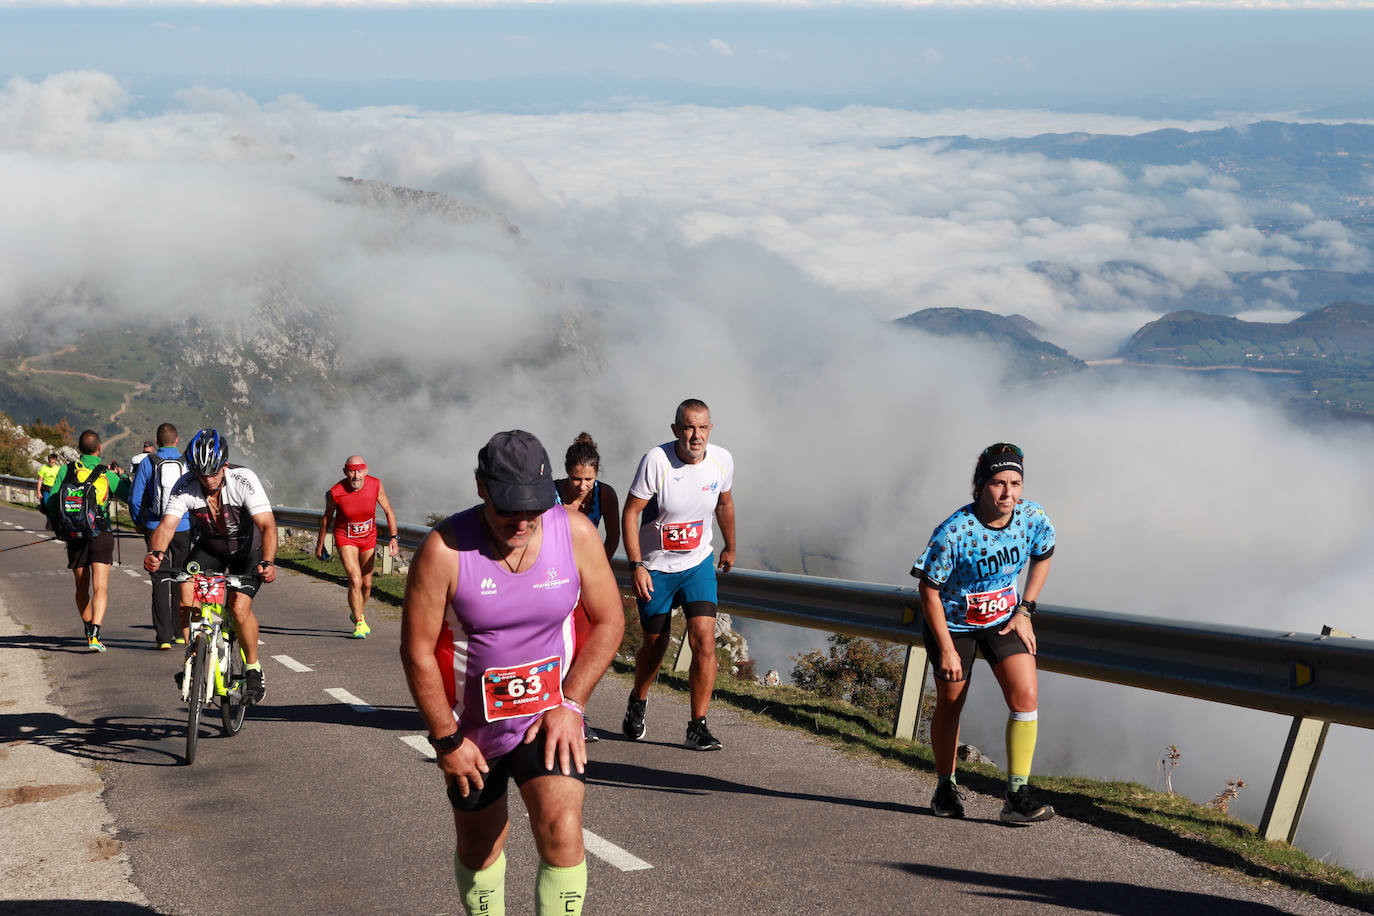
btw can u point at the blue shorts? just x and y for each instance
(675, 589)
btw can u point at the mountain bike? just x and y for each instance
(214, 659)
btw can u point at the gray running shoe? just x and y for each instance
(254, 688)
(633, 726)
(948, 800)
(1021, 807)
(699, 737)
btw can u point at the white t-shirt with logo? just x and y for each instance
(675, 528)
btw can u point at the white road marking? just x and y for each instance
(291, 663)
(130, 571)
(343, 696)
(612, 854)
(421, 744)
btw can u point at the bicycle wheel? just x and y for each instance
(231, 705)
(195, 701)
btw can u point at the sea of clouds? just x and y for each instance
(751, 257)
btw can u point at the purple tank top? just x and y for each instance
(507, 638)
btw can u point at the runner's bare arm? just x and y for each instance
(562, 727)
(430, 586)
(267, 527)
(395, 546)
(1019, 623)
(610, 514)
(629, 520)
(949, 667)
(725, 521)
(330, 507)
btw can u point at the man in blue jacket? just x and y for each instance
(153, 480)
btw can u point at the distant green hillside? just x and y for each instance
(1330, 351)
(1029, 356)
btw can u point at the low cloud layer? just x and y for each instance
(748, 257)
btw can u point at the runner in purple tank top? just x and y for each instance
(487, 644)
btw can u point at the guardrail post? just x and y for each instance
(1297, 768)
(913, 689)
(329, 543)
(387, 561)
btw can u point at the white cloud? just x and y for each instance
(721, 47)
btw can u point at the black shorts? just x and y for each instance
(992, 647)
(99, 549)
(524, 763)
(244, 567)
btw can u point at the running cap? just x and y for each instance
(517, 474)
(1003, 456)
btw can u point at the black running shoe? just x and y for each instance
(1021, 807)
(633, 726)
(948, 800)
(254, 689)
(699, 737)
(588, 733)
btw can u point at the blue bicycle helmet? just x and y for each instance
(207, 453)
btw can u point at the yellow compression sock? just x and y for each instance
(559, 891)
(483, 891)
(1021, 731)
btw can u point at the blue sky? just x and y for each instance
(559, 56)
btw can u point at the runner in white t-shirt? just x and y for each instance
(681, 492)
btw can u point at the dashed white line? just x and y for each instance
(291, 663)
(343, 696)
(612, 854)
(130, 571)
(421, 744)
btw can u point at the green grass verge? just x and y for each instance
(1168, 821)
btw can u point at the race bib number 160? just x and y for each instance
(985, 607)
(522, 690)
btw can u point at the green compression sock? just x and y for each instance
(256, 666)
(1021, 731)
(559, 891)
(484, 891)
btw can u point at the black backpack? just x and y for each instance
(74, 508)
(152, 491)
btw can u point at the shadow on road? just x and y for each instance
(107, 739)
(1089, 896)
(72, 907)
(629, 776)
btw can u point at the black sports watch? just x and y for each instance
(1027, 608)
(447, 743)
(638, 564)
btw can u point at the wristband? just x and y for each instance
(638, 564)
(156, 553)
(395, 536)
(446, 743)
(570, 703)
(1026, 608)
(266, 563)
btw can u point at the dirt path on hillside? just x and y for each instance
(26, 365)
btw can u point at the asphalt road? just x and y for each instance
(326, 802)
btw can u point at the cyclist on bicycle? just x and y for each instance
(233, 531)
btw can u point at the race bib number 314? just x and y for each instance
(985, 607)
(522, 690)
(682, 536)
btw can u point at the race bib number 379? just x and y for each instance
(522, 690)
(985, 607)
(359, 529)
(681, 536)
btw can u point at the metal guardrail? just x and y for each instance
(1312, 677)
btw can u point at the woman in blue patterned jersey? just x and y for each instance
(969, 576)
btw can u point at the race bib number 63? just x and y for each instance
(522, 690)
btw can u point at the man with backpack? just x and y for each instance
(154, 478)
(78, 509)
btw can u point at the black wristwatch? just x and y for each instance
(638, 564)
(447, 743)
(1027, 608)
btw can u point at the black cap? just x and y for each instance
(517, 473)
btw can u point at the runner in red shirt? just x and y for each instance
(350, 506)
